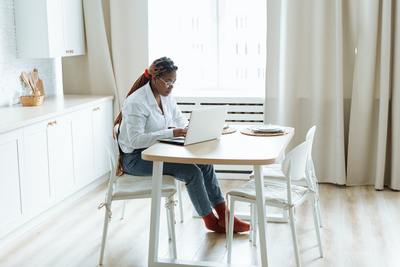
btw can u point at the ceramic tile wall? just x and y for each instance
(11, 66)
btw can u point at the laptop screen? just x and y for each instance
(205, 124)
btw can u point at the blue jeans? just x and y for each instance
(201, 180)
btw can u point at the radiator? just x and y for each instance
(241, 110)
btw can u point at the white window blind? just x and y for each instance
(217, 44)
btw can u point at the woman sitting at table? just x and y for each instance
(150, 113)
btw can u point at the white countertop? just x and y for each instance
(18, 116)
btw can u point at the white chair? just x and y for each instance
(273, 172)
(178, 191)
(284, 195)
(127, 187)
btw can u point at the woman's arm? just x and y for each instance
(177, 116)
(135, 118)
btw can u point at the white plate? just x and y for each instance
(267, 128)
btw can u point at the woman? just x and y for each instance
(150, 113)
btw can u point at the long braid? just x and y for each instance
(156, 69)
(142, 80)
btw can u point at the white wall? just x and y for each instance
(11, 66)
(129, 35)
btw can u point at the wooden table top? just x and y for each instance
(230, 149)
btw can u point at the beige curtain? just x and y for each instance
(116, 52)
(334, 64)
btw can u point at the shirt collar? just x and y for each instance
(150, 96)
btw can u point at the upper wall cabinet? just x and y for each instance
(49, 28)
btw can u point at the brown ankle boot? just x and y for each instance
(238, 225)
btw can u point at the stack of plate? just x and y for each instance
(267, 129)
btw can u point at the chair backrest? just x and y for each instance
(113, 153)
(295, 162)
(112, 150)
(294, 166)
(310, 164)
(311, 132)
(310, 136)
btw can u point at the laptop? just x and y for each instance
(204, 125)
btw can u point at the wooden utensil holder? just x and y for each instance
(31, 100)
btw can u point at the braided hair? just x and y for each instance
(157, 69)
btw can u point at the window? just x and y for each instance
(218, 45)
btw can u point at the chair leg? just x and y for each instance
(319, 213)
(318, 204)
(251, 222)
(171, 224)
(254, 238)
(179, 191)
(230, 229)
(123, 209)
(104, 237)
(316, 225)
(294, 236)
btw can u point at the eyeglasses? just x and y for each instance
(168, 83)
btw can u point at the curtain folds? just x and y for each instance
(333, 64)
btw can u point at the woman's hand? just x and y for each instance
(179, 132)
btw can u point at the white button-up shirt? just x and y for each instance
(143, 122)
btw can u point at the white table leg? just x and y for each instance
(260, 206)
(155, 213)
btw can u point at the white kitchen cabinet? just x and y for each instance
(10, 161)
(49, 153)
(83, 151)
(74, 42)
(49, 28)
(61, 166)
(102, 129)
(35, 181)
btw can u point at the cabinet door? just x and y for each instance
(35, 183)
(102, 129)
(54, 27)
(59, 141)
(49, 28)
(10, 204)
(82, 140)
(73, 28)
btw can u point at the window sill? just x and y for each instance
(218, 94)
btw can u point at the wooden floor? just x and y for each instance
(361, 228)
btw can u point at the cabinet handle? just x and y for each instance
(96, 109)
(70, 51)
(52, 123)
